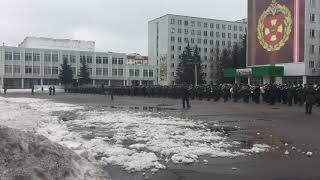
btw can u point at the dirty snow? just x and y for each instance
(132, 140)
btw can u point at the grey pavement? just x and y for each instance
(273, 125)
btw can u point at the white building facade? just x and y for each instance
(169, 35)
(22, 67)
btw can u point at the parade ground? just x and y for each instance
(263, 142)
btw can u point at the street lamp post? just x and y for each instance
(195, 75)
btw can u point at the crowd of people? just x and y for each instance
(268, 93)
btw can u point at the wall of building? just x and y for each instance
(38, 68)
(170, 47)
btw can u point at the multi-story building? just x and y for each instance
(37, 61)
(170, 34)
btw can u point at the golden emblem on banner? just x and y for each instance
(274, 27)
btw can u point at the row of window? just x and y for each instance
(55, 70)
(207, 33)
(206, 25)
(312, 49)
(216, 34)
(55, 58)
(202, 41)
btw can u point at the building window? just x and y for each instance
(205, 25)
(199, 41)
(205, 33)
(211, 42)
(82, 58)
(199, 24)
(186, 31)
(172, 56)
(193, 24)
(16, 56)
(223, 35)
(179, 22)
(120, 72)
(89, 59)
(55, 70)
(150, 73)
(205, 58)
(28, 56)
(235, 28)
(136, 72)
(36, 56)
(105, 60)
(114, 60)
(120, 61)
(172, 65)
(240, 28)
(312, 33)
(217, 43)
(105, 71)
(28, 69)
(192, 32)
(173, 30)
(179, 39)
(199, 33)
(217, 34)
(8, 69)
(131, 72)
(311, 49)
(98, 71)
(8, 55)
(36, 69)
(205, 41)
(172, 48)
(72, 59)
(211, 25)
(223, 43)
(229, 27)
(173, 21)
(229, 44)
(55, 58)
(311, 64)
(217, 26)
(211, 34)
(186, 40)
(179, 31)
(47, 70)
(223, 26)
(179, 48)
(186, 23)
(229, 35)
(172, 38)
(235, 36)
(192, 40)
(312, 18)
(16, 69)
(90, 71)
(145, 73)
(205, 50)
(98, 60)
(47, 57)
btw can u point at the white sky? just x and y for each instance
(115, 25)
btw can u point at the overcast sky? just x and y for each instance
(115, 25)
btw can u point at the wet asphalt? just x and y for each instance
(283, 128)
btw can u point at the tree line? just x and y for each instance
(66, 74)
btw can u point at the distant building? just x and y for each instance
(36, 63)
(137, 59)
(170, 34)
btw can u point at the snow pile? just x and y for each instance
(24, 155)
(132, 140)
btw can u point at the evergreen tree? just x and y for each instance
(235, 57)
(184, 72)
(84, 75)
(65, 74)
(198, 62)
(219, 66)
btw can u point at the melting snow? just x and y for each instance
(134, 141)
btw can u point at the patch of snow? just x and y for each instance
(152, 139)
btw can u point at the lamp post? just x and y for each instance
(195, 74)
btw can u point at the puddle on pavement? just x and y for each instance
(160, 107)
